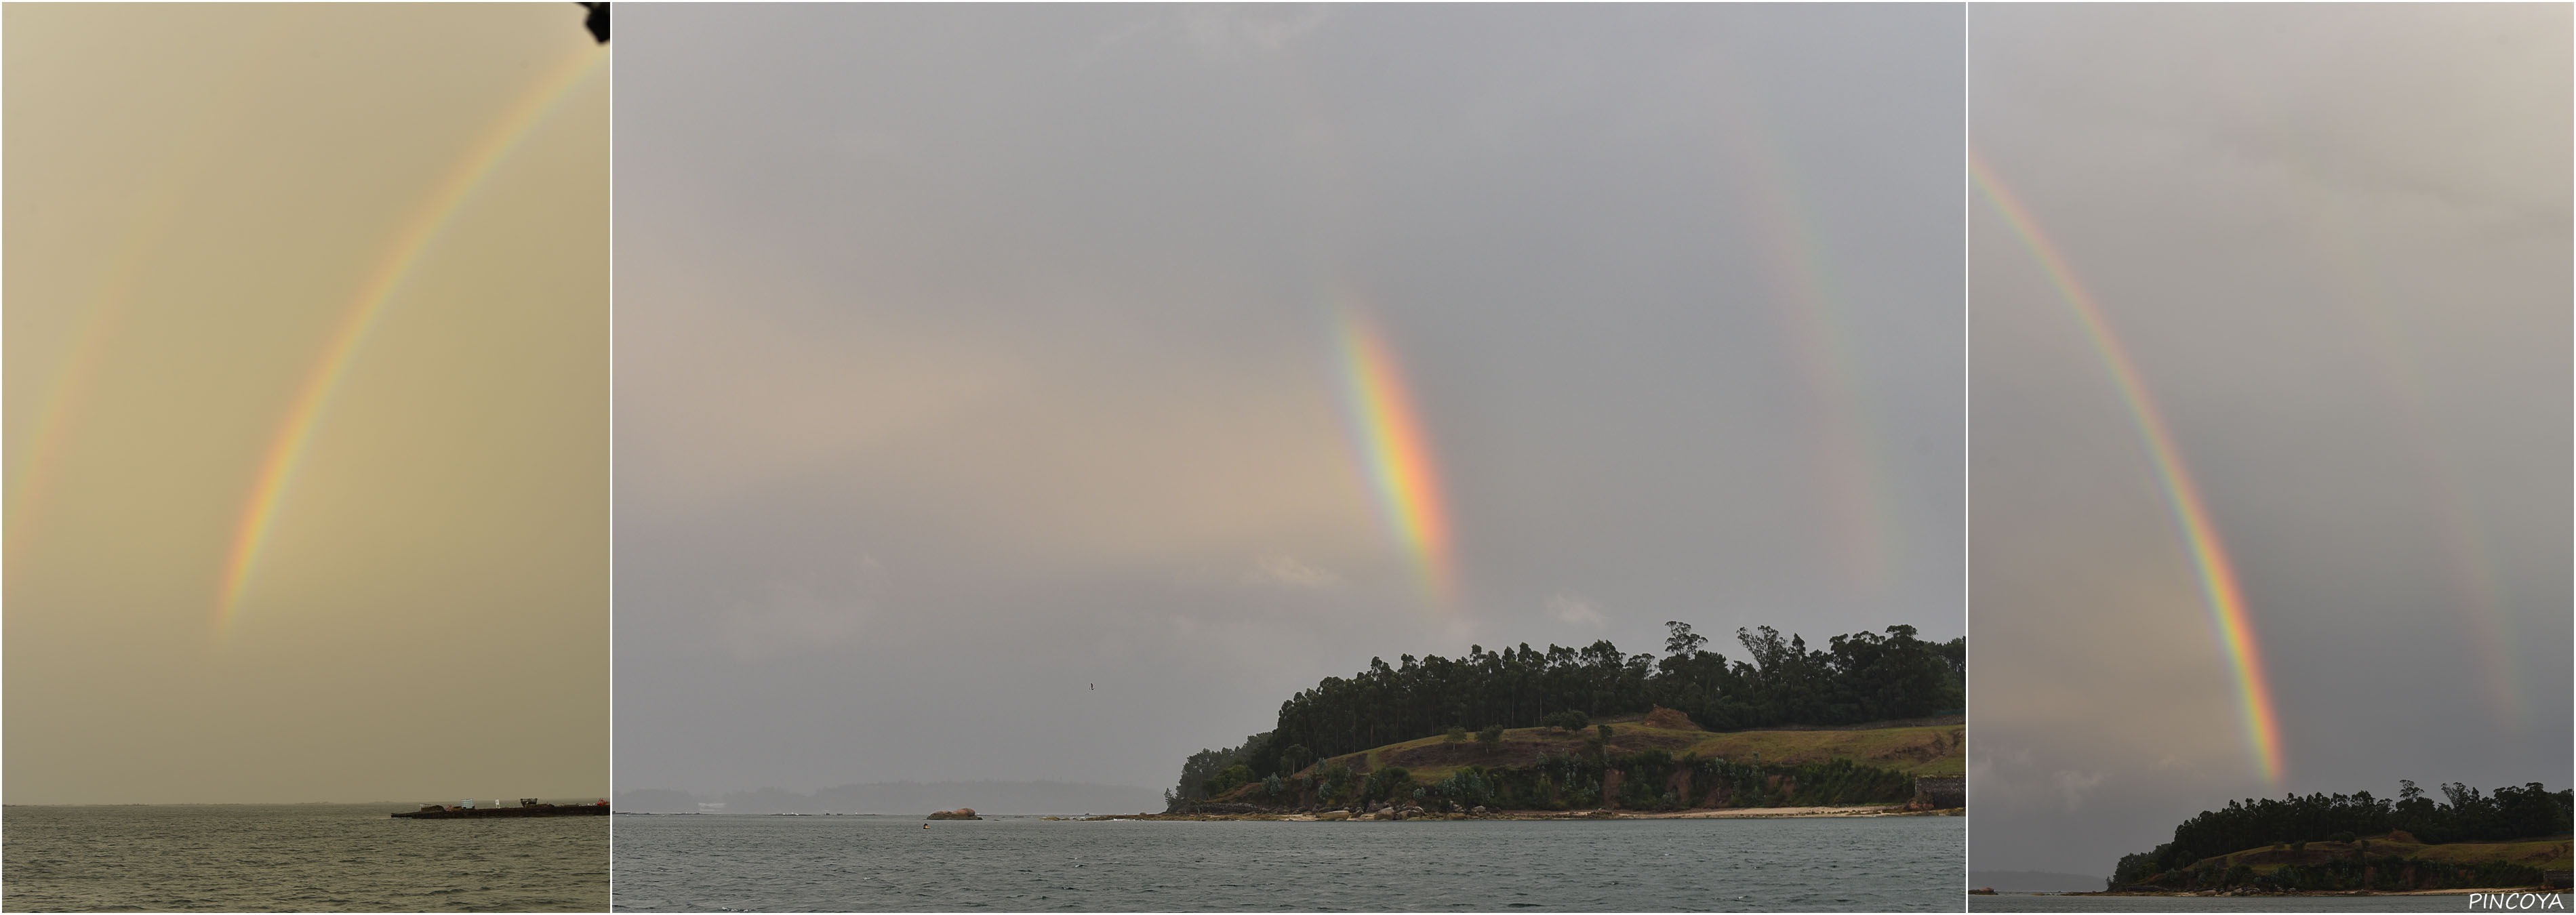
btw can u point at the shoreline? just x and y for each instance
(1726, 813)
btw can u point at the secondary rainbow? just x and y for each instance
(2218, 586)
(105, 312)
(2471, 569)
(1396, 453)
(1841, 423)
(286, 449)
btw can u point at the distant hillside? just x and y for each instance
(2517, 836)
(909, 798)
(1855, 680)
(1660, 761)
(2034, 881)
(2394, 861)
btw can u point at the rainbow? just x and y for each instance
(286, 449)
(2209, 558)
(1842, 444)
(1396, 454)
(2469, 569)
(106, 315)
(108, 308)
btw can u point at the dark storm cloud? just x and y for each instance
(2335, 240)
(972, 356)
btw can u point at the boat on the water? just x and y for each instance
(528, 807)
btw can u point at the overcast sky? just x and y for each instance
(2335, 240)
(973, 357)
(200, 197)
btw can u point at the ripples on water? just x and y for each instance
(296, 857)
(747, 863)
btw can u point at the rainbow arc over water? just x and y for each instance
(1396, 452)
(2219, 590)
(285, 454)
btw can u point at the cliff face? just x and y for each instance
(1940, 792)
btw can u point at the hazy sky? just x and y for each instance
(972, 356)
(2335, 242)
(200, 199)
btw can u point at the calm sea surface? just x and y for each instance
(736, 863)
(2022, 902)
(296, 857)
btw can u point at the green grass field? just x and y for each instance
(2545, 853)
(1914, 749)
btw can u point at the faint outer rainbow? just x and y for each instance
(286, 450)
(2472, 572)
(104, 313)
(1842, 447)
(1397, 454)
(2209, 557)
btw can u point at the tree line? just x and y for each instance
(2464, 815)
(1855, 678)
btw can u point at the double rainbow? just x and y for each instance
(2209, 557)
(1397, 454)
(286, 449)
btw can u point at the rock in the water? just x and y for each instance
(961, 813)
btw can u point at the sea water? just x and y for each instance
(860, 863)
(296, 858)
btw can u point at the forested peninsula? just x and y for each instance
(1859, 721)
(2515, 837)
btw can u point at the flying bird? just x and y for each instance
(597, 21)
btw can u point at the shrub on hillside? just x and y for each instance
(1232, 777)
(1336, 780)
(1390, 782)
(1467, 787)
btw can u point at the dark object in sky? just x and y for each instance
(597, 21)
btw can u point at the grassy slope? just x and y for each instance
(2546, 854)
(1937, 749)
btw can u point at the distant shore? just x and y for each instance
(2229, 893)
(1730, 813)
